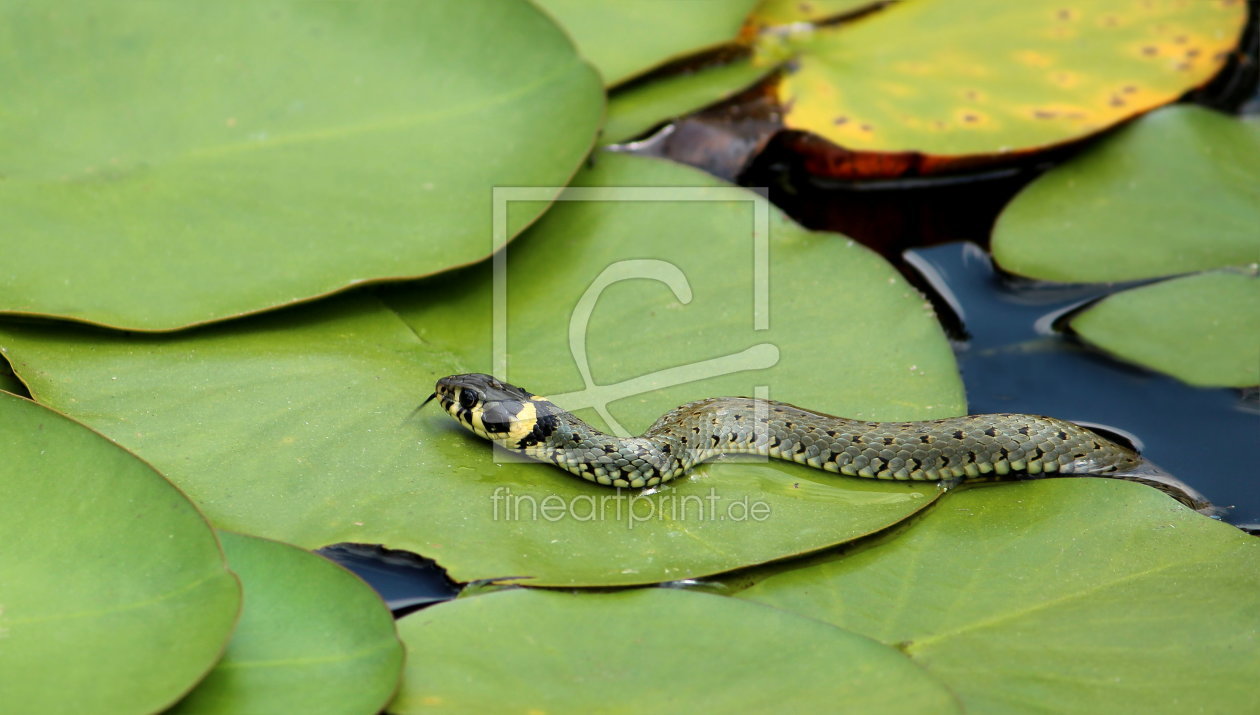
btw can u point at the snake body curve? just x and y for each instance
(955, 447)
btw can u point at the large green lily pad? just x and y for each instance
(168, 164)
(114, 595)
(625, 38)
(312, 638)
(652, 650)
(1203, 329)
(914, 78)
(295, 425)
(1094, 595)
(1176, 191)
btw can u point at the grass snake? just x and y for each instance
(953, 448)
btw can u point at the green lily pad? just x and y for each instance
(172, 164)
(295, 426)
(919, 77)
(640, 107)
(1203, 329)
(652, 650)
(1176, 191)
(786, 12)
(312, 638)
(1095, 595)
(106, 571)
(625, 38)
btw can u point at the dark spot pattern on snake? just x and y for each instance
(972, 445)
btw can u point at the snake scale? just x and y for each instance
(951, 448)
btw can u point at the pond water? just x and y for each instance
(1009, 333)
(405, 582)
(1016, 360)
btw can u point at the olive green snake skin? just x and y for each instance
(946, 449)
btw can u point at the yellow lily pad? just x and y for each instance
(926, 77)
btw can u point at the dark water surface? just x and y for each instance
(405, 581)
(1016, 360)
(1010, 335)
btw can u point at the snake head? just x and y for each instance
(500, 412)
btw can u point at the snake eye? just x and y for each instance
(468, 398)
